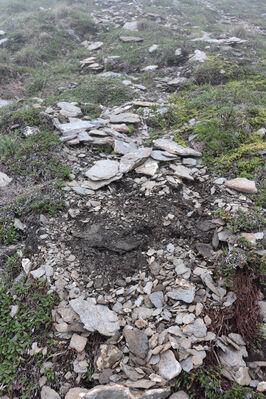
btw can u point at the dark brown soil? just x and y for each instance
(113, 242)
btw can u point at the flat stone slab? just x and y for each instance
(128, 39)
(182, 171)
(96, 317)
(159, 155)
(96, 185)
(124, 147)
(125, 117)
(94, 46)
(149, 167)
(103, 170)
(177, 81)
(185, 292)
(243, 185)
(174, 148)
(4, 179)
(69, 110)
(133, 159)
(74, 128)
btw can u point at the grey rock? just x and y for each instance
(149, 168)
(96, 317)
(237, 338)
(157, 299)
(48, 393)
(174, 148)
(185, 292)
(82, 191)
(94, 46)
(38, 273)
(159, 155)
(242, 376)
(133, 159)
(19, 225)
(132, 26)
(4, 179)
(182, 171)
(123, 147)
(30, 131)
(189, 161)
(103, 170)
(219, 181)
(69, 110)
(168, 366)
(204, 249)
(187, 364)
(198, 329)
(232, 358)
(137, 341)
(74, 128)
(126, 117)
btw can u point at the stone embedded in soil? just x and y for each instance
(49, 393)
(103, 170)
(74, 128)
(96, 185)
(185, 292)
(126, 117)
(168, 366)
(78, 342)
(174, 148)
(243, 185)
(133, 159)
(96, 317)
(69, 110)
(4, 179)
(137, 341)
(128, 39)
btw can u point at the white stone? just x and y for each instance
(96, 317)
(103, 170)
(49, 393)
(169, 367)
(4, 180)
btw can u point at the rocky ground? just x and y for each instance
(132, 228)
